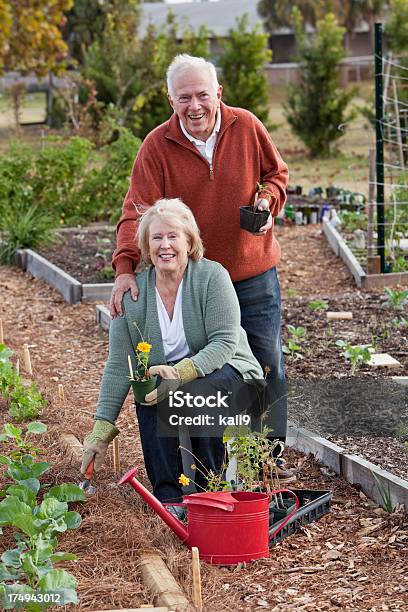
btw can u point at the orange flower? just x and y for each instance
(144, 347)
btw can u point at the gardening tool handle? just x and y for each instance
(90, 470)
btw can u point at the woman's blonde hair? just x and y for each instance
(174, 212)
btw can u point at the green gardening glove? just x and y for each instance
(173, 377)
(96, 444)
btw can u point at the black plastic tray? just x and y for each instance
(312, 506)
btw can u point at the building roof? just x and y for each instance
(219, 17)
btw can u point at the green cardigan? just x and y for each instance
(211, 318)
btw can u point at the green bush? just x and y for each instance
(104, 188)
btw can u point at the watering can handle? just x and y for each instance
(212, 503)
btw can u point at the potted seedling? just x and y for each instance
(251, 219)
(142, 382)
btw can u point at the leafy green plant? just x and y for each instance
(28, 569)
(24, 401)
(400, 264)
(291, 292)
(385, 494)
(351, 220)
(356, 354)
(396, 299)
(21, 460)
(318, 305)
(30, 566)
(254, 456)
(293, 347)
(400, 323)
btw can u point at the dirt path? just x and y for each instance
(355, 558)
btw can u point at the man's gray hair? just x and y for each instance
(185, 62)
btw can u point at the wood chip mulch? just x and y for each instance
(354, 558)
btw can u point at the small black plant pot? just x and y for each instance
(252, 220)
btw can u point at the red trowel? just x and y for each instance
(86, 485)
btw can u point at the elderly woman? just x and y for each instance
(188, 311)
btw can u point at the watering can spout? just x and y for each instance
(170, 520)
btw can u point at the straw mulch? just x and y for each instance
(355, 558)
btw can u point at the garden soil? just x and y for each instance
(354, 558)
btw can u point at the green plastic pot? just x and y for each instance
(142, 388)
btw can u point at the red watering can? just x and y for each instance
(226, 527)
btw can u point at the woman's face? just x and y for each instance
(168, 247)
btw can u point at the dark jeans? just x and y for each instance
(162, 456)
(260, 302)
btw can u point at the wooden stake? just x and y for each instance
(27, 360)
(333, 316)
(1, 332)
(371, 203)
(130, 367)
(61, 393)
(116, 456)
(197, 598)
(18, 366)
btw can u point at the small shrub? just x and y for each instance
(24, 228)
(318, 305)
(396, 299)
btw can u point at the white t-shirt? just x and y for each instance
(174, 340)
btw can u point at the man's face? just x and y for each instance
(196, 101)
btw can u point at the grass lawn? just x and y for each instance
(348, 168)
(33, 111)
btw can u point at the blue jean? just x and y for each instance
(162, 455)
(260, 302)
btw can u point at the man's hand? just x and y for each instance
(263, 204)
(123, 283)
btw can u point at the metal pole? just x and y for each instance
(379, 143)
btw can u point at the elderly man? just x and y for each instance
(213, 157)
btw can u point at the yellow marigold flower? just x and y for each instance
(183, 480)
(144, 347)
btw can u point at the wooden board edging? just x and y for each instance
(352, 468)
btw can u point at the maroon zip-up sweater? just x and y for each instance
(168, 165)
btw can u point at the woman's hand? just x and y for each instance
(96, 444)
(170, 382)
(173, 377)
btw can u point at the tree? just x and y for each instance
(131, 74)
(348, 12)
(30, 38)
(85, 24)
(316, 106)
(242, 62)
(396, 28)
(5, 29)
